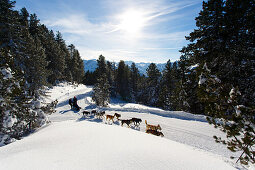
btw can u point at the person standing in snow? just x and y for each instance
(75, 105)
(71, 102)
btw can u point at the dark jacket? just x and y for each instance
(75, 101)
(70, 102)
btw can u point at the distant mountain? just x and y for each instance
(91, 65)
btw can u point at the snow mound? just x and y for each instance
(90, 145)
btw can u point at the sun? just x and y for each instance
(132, 22)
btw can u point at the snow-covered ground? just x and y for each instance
(74, 142)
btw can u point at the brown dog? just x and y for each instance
(154, 132)
(110, 117)
(152, 127)
(128, 122)
(117, 115)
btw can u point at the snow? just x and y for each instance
(206, 68)
(8, 120)
(90, 145)
(6, 73)
(37, 104)
(216, 79)
(202, 79)
(193, 67)
(71, 141)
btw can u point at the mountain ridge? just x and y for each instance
(91, 65)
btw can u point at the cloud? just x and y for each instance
(78, 24)
(93, 38)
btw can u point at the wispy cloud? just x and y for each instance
(158, 37)
(78, 24)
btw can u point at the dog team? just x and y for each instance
(152, 129)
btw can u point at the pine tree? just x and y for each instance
(16, 117)
(101, 65)
(101, 91)
(24, 15)
(65, 53)
(151, 92)
(111, 77)
(89, 78)
(134, 79)
(166, 88)
(77, 66)
(35, 65)
(222, 47)
(122, 81)
(54, 56)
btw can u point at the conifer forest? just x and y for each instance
(214, 76)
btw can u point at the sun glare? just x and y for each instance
(132, 22)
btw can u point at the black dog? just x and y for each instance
(85, 113)
(100, 115)
(94, 112)
(136, 121)
(117, 115)
(128, 122)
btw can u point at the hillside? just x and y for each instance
(72, 141)
(91, 145)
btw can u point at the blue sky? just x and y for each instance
(131, 30)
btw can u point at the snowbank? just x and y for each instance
(90, 145)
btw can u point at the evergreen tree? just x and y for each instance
(66, 55)
(111, 77)
(186, 92)
(89, 78)
(166, 87)
(141, 86)
(222, 47)
(122, 80)
(134, 79)
(151, 92)
(16, 117)
(78, 69)
(76, 64)
(101, 65)
(30, 55)
(34, 25)
(24, 17)
(181, 93)
(101, 91)
(55, 61)
(35, 66)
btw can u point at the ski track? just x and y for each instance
(192, 131)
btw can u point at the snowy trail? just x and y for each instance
(191, 145)
(186, 128)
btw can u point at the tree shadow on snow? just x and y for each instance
(90, 107)
(90, 118)
(70, 110)
(155, 111)
(116, 123)
(135, 128)
(63, 112)
(169, 114)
